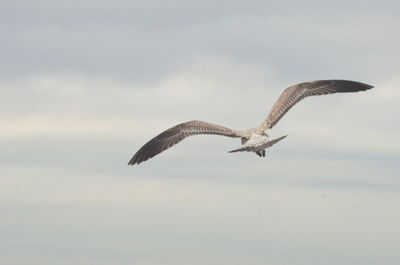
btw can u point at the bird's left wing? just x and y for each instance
(291, 95)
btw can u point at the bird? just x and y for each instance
(255, 139)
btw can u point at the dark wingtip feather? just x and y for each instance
(136, 160)
(364, 86)
(132, 161)
(351, 86)
(149, 150)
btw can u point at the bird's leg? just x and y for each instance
(259, 153)
(263, 152)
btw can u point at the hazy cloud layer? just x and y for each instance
(84, 84)
(144, 39)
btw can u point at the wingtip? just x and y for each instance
(136, 160)
(133, 161)
(367, 86)
(352, 86)
(363, 86)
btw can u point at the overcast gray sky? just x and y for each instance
(84, 84)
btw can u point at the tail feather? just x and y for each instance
(250, 148)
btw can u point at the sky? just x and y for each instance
(84, 84)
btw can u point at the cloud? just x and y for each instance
(143, 41)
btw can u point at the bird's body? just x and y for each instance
(255, 139)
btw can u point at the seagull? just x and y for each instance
(255, 139)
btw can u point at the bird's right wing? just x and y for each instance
(291, 95)
(174, 135)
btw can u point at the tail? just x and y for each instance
(250, 148)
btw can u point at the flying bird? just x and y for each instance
(254, 139)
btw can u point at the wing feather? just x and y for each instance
(292, 95)
(174, 135)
